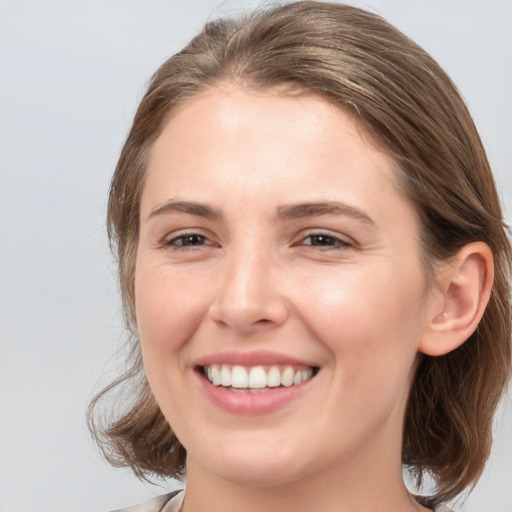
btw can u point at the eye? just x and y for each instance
(327, 241)
(186, 241)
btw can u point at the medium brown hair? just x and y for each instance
(356, 60)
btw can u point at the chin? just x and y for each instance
(258, 473)
(259, 465)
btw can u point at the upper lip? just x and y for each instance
(252, 358)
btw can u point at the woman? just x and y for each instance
(315, 270)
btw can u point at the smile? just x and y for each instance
(256, 378)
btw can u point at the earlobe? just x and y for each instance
(463, 289)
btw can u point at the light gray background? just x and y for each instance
(71, 74)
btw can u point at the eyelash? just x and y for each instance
(175, 246)
(331, 242)
(336, 242)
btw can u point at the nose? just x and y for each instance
(249, 297)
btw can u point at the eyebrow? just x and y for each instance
(198, 209)
(297, 211)
(292, 211)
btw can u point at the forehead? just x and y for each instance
(230, 103)
(255, 139)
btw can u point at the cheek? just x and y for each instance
(367, 316)
(168, 313)
(168, 310)
(371, 326)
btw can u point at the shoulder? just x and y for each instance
(156, 504)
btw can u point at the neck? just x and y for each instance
(365, 485)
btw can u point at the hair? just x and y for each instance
(357, 61)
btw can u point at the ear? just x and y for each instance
(457, 304)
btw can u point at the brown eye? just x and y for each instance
(189, 240)
(324, 240)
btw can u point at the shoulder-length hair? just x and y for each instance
(356, 60)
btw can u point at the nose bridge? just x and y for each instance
(248, 294)
(247, 281)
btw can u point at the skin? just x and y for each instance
(354, 303)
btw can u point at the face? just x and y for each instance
(280, 296)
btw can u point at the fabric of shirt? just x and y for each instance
(173, 502)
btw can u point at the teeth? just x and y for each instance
(274, 377)
(287, 377)
(225, 376)
(256, 377)
(216, 379)
(306, 374)
(239, 377)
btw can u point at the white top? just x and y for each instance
(173, 502)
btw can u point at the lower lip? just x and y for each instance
(248, 403)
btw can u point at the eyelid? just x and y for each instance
(341, 241)
(170, 238)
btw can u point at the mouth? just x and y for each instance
(256, 379)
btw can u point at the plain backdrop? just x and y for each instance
(71, 75)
